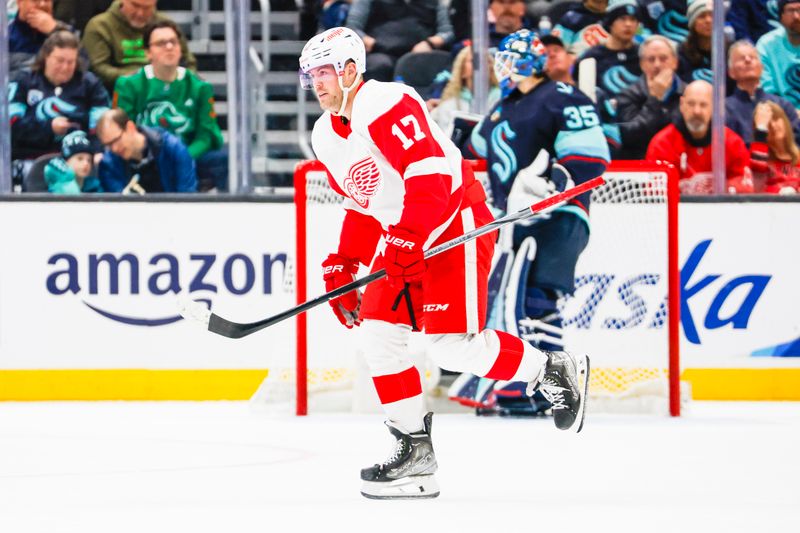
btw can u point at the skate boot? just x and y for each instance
(565, 385)
(408, 473)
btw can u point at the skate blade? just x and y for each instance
(407, 488)
(583, 385)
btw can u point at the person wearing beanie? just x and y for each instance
(70, 173)
(780, 54)
(695, 8)
(694, 54)
(580, 27)
(616, 60)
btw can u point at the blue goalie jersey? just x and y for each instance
(555, 117)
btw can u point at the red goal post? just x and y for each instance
(646, 198)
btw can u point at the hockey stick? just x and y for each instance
(216, 324)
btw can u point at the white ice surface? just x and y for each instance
(218, 467)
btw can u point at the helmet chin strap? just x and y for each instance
(346, 93)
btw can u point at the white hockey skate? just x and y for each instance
(408, 473)
(565, 385)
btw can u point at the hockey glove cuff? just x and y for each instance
(337, 271)
(404, 259)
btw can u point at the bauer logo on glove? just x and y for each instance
(404, 259)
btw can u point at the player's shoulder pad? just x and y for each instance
(375, 98)
(321, 131)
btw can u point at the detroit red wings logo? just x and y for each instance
(362, 181)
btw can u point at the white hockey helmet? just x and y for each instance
(336, 47)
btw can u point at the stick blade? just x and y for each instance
(226, 328)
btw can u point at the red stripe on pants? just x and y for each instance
(395, 387)
(508, 359)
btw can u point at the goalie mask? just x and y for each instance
(335, 47)
(519, 56)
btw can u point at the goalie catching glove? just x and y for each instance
(337, 271)
(404, 259)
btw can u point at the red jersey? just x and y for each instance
(391, 161)
(770, 174)
(694, 162)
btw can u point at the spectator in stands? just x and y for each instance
(333, 14)
(559, 63)
(114, 40)
(164, 94)
(665, 17)
(391, 28)
(744, 67)
(78, 12)
(686, 143)
(774, 155)
(71, 173)
(457, 94)
(581, 27)
(29, 29)
(53, 98)
(780, 54)
(650, 103)
(616, 60)
(694, 54)
(141, 159)
(506, 17)
(750, 19)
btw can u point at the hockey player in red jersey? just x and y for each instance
(406, 189)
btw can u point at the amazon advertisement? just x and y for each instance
(93, 284)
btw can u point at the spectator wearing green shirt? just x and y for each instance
(114, 40)
(163, 94)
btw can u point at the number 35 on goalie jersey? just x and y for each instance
(555, 117)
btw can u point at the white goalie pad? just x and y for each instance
(516, 283)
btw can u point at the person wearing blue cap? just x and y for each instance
(616, 60)
(71, 173)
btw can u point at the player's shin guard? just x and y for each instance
(492, 354)
(531, 312)
(396, 379)
(408, 473)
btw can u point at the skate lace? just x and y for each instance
(398, 452)
(553, 393)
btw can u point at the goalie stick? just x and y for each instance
(192, 310)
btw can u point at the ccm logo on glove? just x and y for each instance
(400, 243)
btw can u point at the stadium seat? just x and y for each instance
(419, 69)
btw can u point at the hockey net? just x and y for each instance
(620, 313)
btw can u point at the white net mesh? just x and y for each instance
(618, 313)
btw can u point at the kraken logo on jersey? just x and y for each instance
(52, 107)
(704, 74)
(506, 165)
(617, 78)
(672, 25)
(362, 181)
(165, 115)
